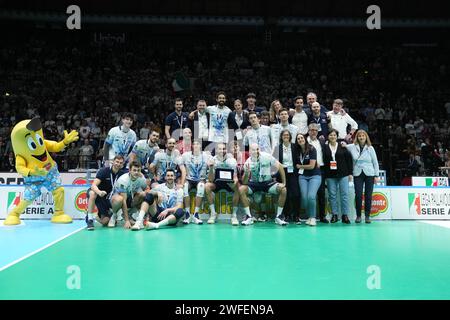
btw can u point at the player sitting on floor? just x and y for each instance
(168, 209)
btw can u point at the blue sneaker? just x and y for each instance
(89, 223)
(196, 219)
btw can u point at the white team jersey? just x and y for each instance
(260, 168)
(261, 136)
(300, 120)
(163, 161)
(125, 185)
(226, 163)
(218, 123)
(144, 152)
(278, 128)
(171, 196)
(120, 142)
(195, 165)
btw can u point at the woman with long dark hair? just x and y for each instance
(338, 165)
(286, 153)
(310, 177)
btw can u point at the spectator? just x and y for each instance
(86, 152)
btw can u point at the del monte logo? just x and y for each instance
(81, 181)
(380, 204)
(81, 201)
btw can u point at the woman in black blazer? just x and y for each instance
(286, 153)
(238, 120)
(338, 165)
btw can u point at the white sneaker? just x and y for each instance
(247, 221)
(196, 220)
(212, 219)
(262, 218)
(234, 220)
(313, 222)
(137, 226)
(281, 222)
(187, 220)
(308, 222)
(151, 226)
(112, 221)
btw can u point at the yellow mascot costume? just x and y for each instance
(34, 163)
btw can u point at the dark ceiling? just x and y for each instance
(264, 8)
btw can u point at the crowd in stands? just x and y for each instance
(398, 94)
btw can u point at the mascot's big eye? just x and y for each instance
(31, 144)
(40, 141)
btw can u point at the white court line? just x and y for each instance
(445, 224)
(40, 249)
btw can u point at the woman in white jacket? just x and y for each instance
(365, 172)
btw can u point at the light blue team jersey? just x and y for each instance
(125, 185)
(227, 163)
(260, 168)
(196, 166)
(261, 136)
(171, 196)
(120, 142)
(163, 161)
(145, 153)
(218, 123)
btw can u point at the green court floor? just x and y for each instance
(263, 261)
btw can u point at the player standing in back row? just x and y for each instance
(120, 140)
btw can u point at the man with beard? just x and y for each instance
(176, 121)
(319, 118)
(222, 163)
(100, 192)
(144, 152)
(168, 159)
(168, 207)
(218, 119)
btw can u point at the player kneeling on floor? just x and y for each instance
(100, 192)
(128, 194)
(167, 209)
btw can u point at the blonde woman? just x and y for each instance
(365, 172)
(274, 111)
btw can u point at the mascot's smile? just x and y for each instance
(42, 157)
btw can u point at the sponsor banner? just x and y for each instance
(67, 178)
(430, 181)
(381, 204)
(10, 178)
(387, 203)
(75, 202)
(421, 203)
